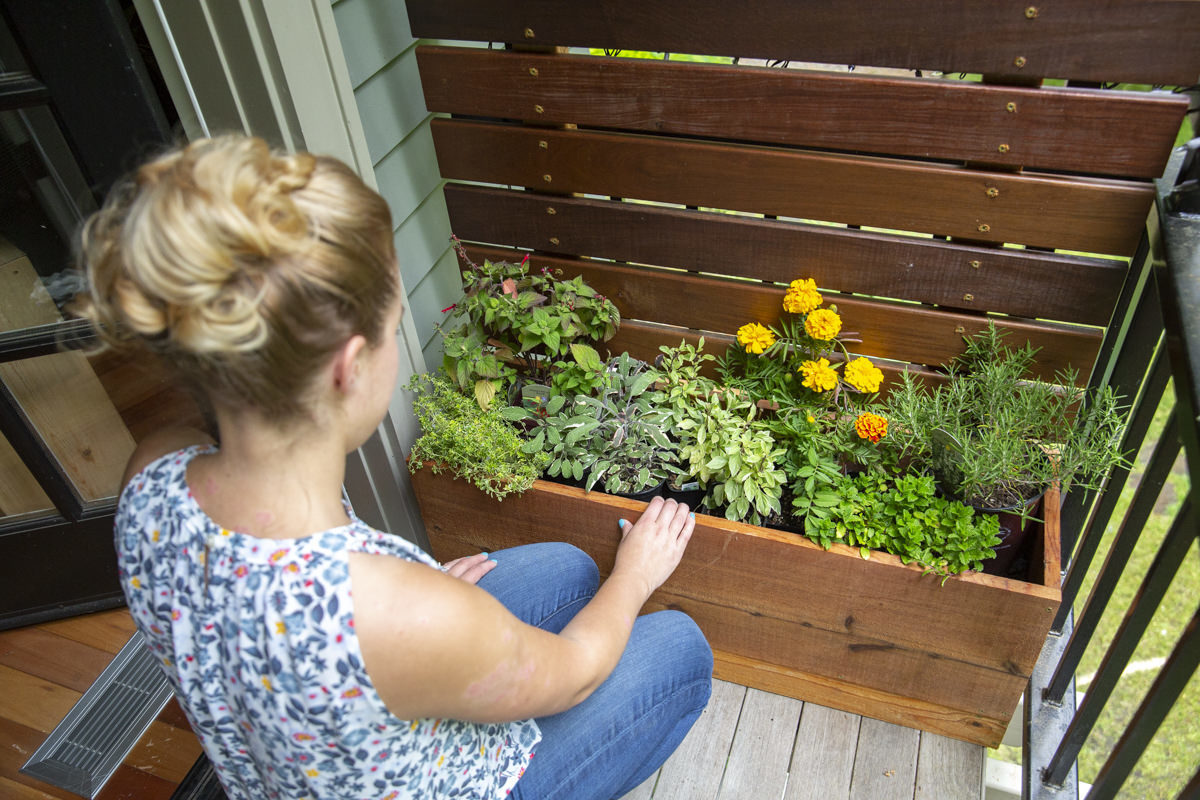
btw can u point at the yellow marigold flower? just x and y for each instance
(863, 375)
(823, 324)
(802, 297)
(870, 426)
(755, 338)
(818, 375)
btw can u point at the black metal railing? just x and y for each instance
(1154, 337)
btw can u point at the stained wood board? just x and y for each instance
(1088, 215)
(1112, 133)
(60, 395)
(1012, 281)
(881, 329)
(957, 654)
(1136, 41)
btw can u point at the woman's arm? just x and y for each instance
(438, 647)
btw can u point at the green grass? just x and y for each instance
(1171, 759)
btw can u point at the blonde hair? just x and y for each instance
(244, 268)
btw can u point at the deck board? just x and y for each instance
(948, 769)
(885, 765)
(823, 755)
(762, 747)
(695, 770)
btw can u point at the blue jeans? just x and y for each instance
(615, 739)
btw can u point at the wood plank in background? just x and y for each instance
(896, 331)
(80, 427)
(1089, 215)
(1125, 133)
(823, 756)
(1005, 280)
(1138, 41)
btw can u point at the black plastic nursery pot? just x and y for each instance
(1020, 527)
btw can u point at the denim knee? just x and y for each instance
(688, 646)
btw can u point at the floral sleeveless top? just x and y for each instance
(257, 639)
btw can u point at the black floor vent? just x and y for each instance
(85, 749)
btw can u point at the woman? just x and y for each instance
(316, 657)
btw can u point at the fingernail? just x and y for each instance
(485, 554)
(692, 515)
(621, 523)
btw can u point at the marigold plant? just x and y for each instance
(823, 324)
(862, 375)
(755, 338)
(870, 426)
(802, 297)
(818, 375)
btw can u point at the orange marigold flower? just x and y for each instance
(870, 426)
(823, 324)
(755, 338)
(802, 297)
(863, 375)
(818, 375)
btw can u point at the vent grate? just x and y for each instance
(86, 748)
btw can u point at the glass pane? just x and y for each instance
(20, 494)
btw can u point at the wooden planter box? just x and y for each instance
(870, 636)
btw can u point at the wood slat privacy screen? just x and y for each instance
(692, 193)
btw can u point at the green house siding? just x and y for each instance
(381, 60)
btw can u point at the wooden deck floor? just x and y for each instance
(748, 744)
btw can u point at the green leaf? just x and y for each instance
(485, 391)
(586, 356)
(556, 403)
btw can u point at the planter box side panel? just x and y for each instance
(963, 649)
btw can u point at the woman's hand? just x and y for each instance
(652, 546)
(469, 568)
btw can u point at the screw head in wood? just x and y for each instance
(960, 330)
(1003, 148)
(538, 108)
(533, 71)
(1031, 12)
(984, 227)
(553, 240)
(529, 33)
(542, 143)
(547, 177)
(993, 192)
(551, 210)
(1019, 61)
(1011, 108)
(976, 264)
(968, 297)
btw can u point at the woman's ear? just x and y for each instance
(346, 363)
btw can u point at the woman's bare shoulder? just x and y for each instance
(158, 444)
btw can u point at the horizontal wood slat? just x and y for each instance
(896, 331)
(643, 340)
(1085, 215)
(1005, 280)
(1113, 133)
(1138, 41)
